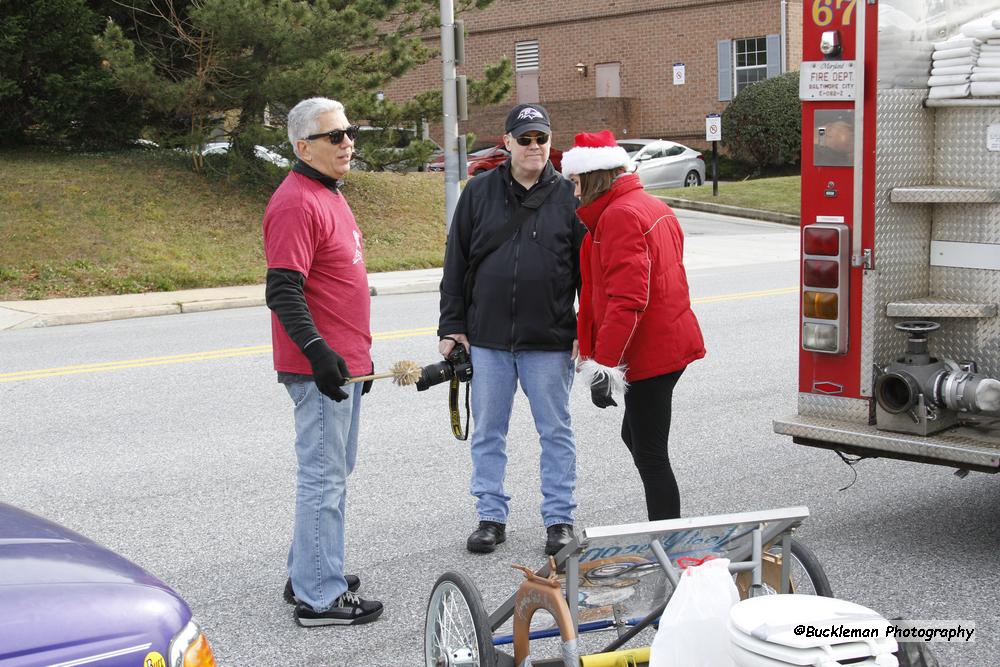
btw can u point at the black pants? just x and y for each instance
(645, 431)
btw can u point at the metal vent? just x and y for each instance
(526, 55)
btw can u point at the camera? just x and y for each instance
(456, 365)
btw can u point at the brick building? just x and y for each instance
(598, 64)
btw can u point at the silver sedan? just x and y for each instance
(664, 164)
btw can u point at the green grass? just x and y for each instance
(141, 221)
(780, 195)
(78, 224)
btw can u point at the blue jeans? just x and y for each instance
(326, 445)
(546, 378)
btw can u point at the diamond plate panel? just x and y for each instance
(902, 232)
(834, 407)
(955, 446)
(932, 307)
(960, 155)
(969, 223)
(871, 301)
(976, 339)
(934, 194)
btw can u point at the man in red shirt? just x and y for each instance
(317, 290)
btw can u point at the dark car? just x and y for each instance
(66, 600)
(493, 156)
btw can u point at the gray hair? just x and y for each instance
(302, 118)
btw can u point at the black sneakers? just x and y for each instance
(353, 584)
(348, 609)
(486, 538)
(556, 537)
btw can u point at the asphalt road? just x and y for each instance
(175, 449)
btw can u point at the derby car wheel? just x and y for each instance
(457, 628)
(806, 575)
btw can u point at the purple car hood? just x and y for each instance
(64, 597)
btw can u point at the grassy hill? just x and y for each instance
(77, 224)
(138, 221)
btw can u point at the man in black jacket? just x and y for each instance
(511, 273)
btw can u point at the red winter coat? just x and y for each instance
(634, 304)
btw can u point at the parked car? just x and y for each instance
(262, 153)
(66, 600)
(664, 164)
(385, 149)
(493, 156)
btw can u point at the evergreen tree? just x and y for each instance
(204, 65)
(53, 88)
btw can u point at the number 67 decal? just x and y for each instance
(823, 11)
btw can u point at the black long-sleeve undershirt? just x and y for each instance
(285, 295)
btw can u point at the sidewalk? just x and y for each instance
(53, 312)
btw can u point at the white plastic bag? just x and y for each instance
(693, 629)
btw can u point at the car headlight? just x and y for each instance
(189, 648)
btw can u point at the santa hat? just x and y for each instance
(593, 151)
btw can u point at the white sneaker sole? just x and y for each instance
(316, 622)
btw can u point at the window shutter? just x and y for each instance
(725, 51)
(773, 55)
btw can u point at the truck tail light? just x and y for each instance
(820, 337)
(819, 305)
(821, 273)
(821, 240)
(824, 287)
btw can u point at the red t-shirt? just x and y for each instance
(309, 229)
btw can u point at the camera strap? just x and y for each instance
(455, 413)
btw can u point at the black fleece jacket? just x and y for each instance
(524, 290)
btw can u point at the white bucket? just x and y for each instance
(762, 633)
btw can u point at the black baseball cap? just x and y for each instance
(527, 118)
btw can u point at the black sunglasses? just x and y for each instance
(337, 136)
(540, 139)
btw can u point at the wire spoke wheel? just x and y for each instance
(805, 574)
(456, 629)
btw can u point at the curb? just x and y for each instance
(413, 288)
(28, 315)
(736, 211)
(12, 319)
(219, 304)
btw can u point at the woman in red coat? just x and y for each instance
(636, 328)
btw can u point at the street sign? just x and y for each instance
(713, 127)
(678, 74)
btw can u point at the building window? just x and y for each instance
(750, 61)
(526, 55)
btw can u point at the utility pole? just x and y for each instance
(449, 96)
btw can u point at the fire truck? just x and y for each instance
(899, 347)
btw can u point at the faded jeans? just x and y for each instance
(326, 444)
(546, 379)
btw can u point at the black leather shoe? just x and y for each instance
(557, 536)
(486, 538)
(353, 584)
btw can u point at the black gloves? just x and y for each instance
(366, 386)
(600, 392)
(329, 369)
